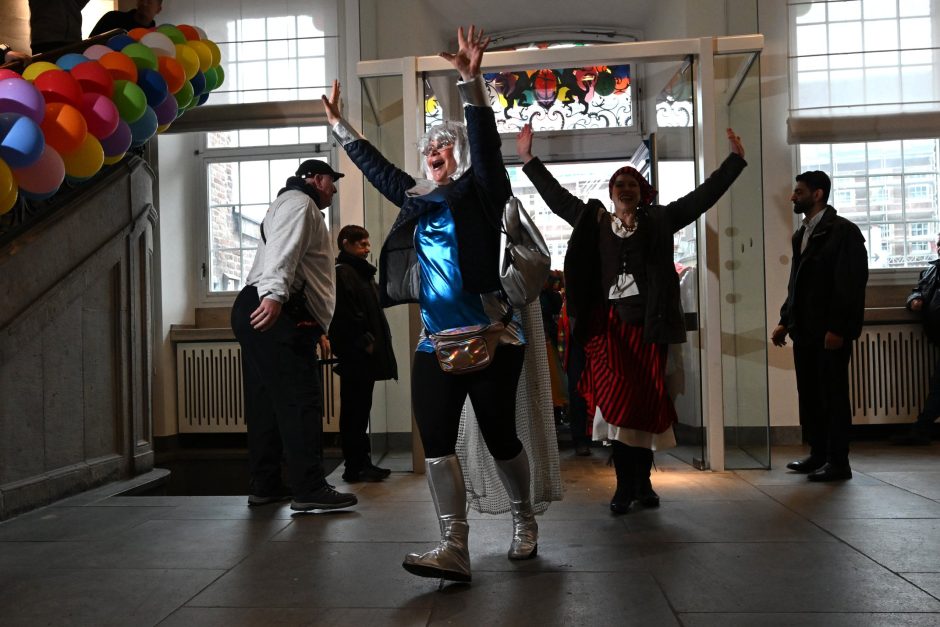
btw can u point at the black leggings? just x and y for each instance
(438, 397)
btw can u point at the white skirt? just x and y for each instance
(603, 430)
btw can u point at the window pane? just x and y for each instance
(239, 194)
(843, 11)
(885, 157)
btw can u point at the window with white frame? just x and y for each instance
(240, 185)
(893, 187)
(850, 57)
(270, 51)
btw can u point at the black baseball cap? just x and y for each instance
(312, 167)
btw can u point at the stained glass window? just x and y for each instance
(554, 99)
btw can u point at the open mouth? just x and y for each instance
(437, 165)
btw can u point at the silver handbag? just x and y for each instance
(524, 260)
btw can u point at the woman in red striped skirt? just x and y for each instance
(623, 302)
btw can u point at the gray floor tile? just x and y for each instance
(908, 545)
(291, 617)
(930, 582)
(74, 523)
(810, 620)
(922, 482)
(720, 521)
(176, 544)
(399, 522)
(849, 500)
(549, 599)
(783, 577)
(98, 597)
(324, 575)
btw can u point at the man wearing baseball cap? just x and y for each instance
(279, 318)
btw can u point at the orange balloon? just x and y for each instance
(172, 72)
(64, 127)
(137, 33)
(120, 66)
(188, 31)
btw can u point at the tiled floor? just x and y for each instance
(725, 549)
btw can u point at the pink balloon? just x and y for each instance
(97, 51)
(100, 113)
(43, 177)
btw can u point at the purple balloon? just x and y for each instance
(117, 142)
(19, 96)
(166, 111)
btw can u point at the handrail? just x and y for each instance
(52, 55)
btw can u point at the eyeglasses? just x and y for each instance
(440, 146)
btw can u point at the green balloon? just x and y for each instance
(130, 100)
(212, 79)
(142, 56)
(221, 73)
(175, 35)
(184, 96)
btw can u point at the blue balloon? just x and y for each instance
(144, 128)
(154, 86)
(199, 83)
(21, 140)
(70, 60)
(118, 42)
(202, 99)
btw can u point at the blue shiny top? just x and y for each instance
(444, 303)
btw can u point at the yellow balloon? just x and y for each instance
(7, 180)
(87, 160)
(161, 129)
(216, 53)
(114, 159)
(188, 59)
(35, 69)
(204, 52)
(7, 202)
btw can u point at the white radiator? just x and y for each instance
(209, 389)
(889, 373)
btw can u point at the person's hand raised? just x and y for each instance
(736, 146)
(524, 143)
(469, 53)
(332, 105)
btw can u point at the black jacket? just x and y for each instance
(927, 291)
(359, 322)
(476, 202)
(664, 321)
(119, 19)
(826, 291)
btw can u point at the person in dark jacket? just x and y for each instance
(823, 313)
(141, 17)
(623, 304)
(925, 300)
(54, 24)
(361, 339)
(442, 252)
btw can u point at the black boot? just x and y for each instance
(645, 495)
(622, 456)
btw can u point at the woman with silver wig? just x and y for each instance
(442, 253)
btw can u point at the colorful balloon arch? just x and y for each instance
(65, 120)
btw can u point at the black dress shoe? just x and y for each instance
(831, 472)
(806, 465)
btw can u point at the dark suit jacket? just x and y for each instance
(827, 281)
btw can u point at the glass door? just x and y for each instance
(672, 156)
(743, 295)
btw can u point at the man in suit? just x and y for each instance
(823, 313)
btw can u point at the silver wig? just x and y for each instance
(454, 132)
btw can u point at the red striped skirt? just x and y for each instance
(626, 378)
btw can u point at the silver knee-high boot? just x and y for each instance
(514, 474)
(451, 559)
